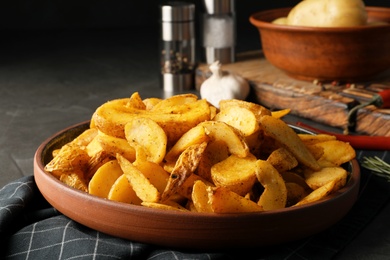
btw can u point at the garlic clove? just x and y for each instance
(223, 85)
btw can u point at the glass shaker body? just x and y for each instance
(177, 46)
(219, 31)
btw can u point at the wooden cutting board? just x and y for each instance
(327, 103)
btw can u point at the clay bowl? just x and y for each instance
(189, 230)
(309, 53)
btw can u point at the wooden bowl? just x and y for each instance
(189, 230)
(309, 53)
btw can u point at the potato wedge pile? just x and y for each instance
(184, 154)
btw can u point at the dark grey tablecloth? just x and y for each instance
(31, 229)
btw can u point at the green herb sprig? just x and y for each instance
(377, 166)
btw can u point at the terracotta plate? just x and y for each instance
(189, 230)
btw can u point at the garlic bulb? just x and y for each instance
(223, 85)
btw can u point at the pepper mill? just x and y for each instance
(177, 46)
(219, 31)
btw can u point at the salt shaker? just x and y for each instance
(177, 46)
(219, 31)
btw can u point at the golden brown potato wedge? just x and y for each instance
(223, 200)
(336, 152)
(75, 180)
(140, 184)
(281, 113)
(235, 173)
(295, 193)
(70, 158)
(257, 109)
(174, 104)
(241, 118)
(317, 194)
(122, 191)
(185, 189)
(215, 152)
(165, 206)
(220, 131)
(317, 179)
(293, 177)
(195, 135)
(275, 192)
(102, 181)
(154, 172)
(184, 167)
(200, 196)
(94, 147)
(150, 103)
(149, 135)
(114, 145)
(85, 137)
(316, 150)
(135, 101)
(285, 135)
(282, 160)
(112, 116)
(314, 139)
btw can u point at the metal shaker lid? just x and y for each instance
(177, 11)
(219, 6)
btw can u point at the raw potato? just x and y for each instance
(149, 135)
(328, 13)
(275, 192)
(235, 173)
(280, 21)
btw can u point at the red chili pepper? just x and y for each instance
(364, 142)
(385, 99)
